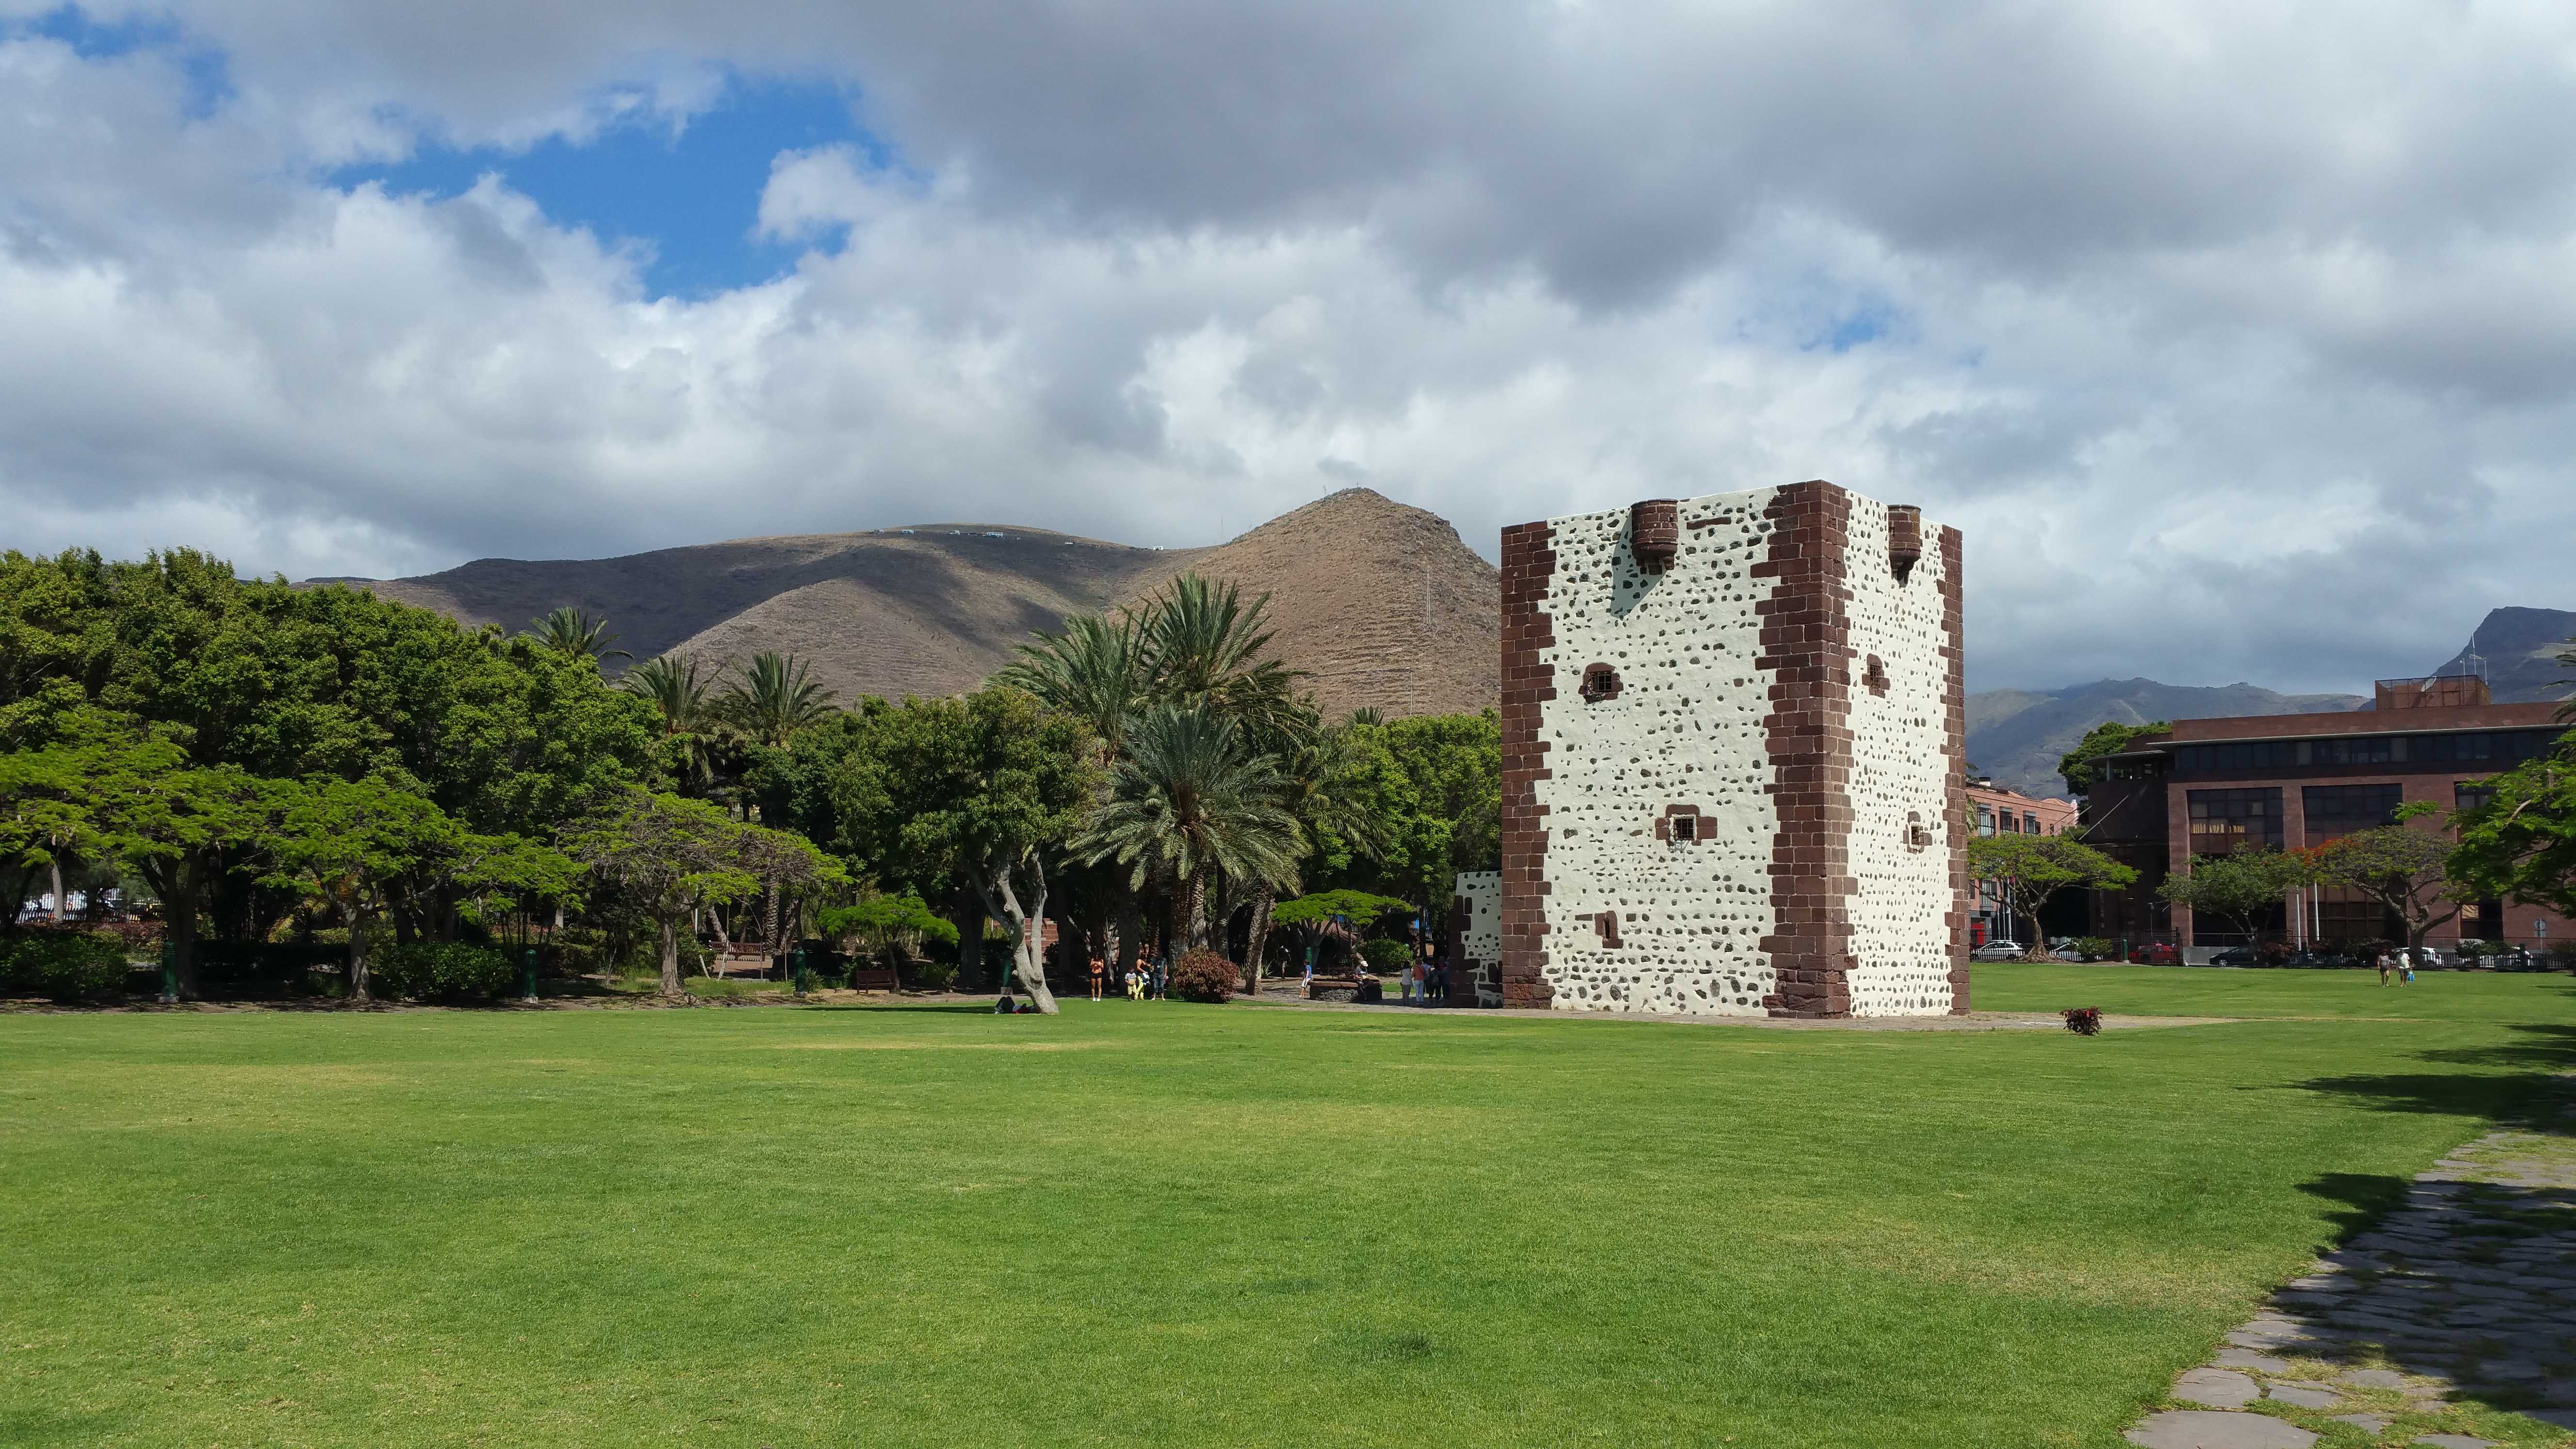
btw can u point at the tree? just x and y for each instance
(774, 699)
(672, 856)
(1432, 788)
(352, 844)
(1312, 916)
(1094, 671)
(2081, 765)
(887, 923)
(1206, 649)
(2241, 887)
(1318, 788)
(570, 632)
(1190, 798)
(987, 790)
(2027, 870)
(2521, 842)
(2400, 867)
(691, 723)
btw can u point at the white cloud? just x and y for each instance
(2239, 341)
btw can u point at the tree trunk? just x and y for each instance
(1193, 908)
(769, 927)
(53, 864)
(970, 938)
(1131, 929)
(357, 924)
(179, 910)
(670, 955)
(1259, 935)
(1028, 953)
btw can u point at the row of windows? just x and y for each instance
(2501, 748)
(1989, 820)
(2223, 821)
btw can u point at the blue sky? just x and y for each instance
(690, 194)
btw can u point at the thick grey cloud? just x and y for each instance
(2238, 336)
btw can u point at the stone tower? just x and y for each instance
(1734, 749)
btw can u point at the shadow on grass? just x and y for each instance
(2533, 1096)
(926, 1008)
(2367, 1198)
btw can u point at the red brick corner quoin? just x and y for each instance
(1954, 694)
(1529, 568)
(1806, 645)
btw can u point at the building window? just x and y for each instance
(1985, 820)
(2029, 823)
(2334, 810)
(1875, 676)
(2470, 794)
(2226, 821)
(1918, 836)
(1600, 682)
(1607, 924)
(2345, 914)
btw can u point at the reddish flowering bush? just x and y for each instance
(1204, 976)
(2083, 1020)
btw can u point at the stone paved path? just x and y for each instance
(2451, 1324)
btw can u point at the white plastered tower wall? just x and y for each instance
(1901, 778)
(1684, 727)
(1729, 780)
(1476, 935)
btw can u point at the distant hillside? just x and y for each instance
(2018, 735)
(2521, 647)
(1380, 603)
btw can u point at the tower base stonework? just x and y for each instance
(1732, 762)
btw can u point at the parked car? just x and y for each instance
(2317, 961)
(2237, 956)
(1998, 951)
(2156, 953)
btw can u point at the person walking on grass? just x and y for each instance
(1161, 978)
(2385, 969)
(1098, 968)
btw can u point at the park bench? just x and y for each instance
(872, 978)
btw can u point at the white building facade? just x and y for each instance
(1733, 759)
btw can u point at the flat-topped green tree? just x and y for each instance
(2028, 870)
(2242, 887)
(671, 856)
(2401, 867)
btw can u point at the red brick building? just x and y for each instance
(1994, 810)
(2211, 786)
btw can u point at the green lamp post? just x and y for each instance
(528, 975)
(796, 957)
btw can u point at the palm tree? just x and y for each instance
(1314, 767)
(569, 631)
(1189, 798)
(1205, 647)
(690, 723)
(774, 699)
(1094, 671)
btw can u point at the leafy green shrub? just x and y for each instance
(931, 975)
(1387, 957)
(2096, 948)
(1204, 976)
(441, 971)
(62, 965)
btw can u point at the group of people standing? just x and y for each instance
(1144, 981)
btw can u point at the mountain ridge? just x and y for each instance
(1380, 603)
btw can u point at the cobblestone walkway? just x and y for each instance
(2453, 1323)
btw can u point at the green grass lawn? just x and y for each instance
(1172, 1224)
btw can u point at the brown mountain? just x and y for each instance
(1380, 603)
